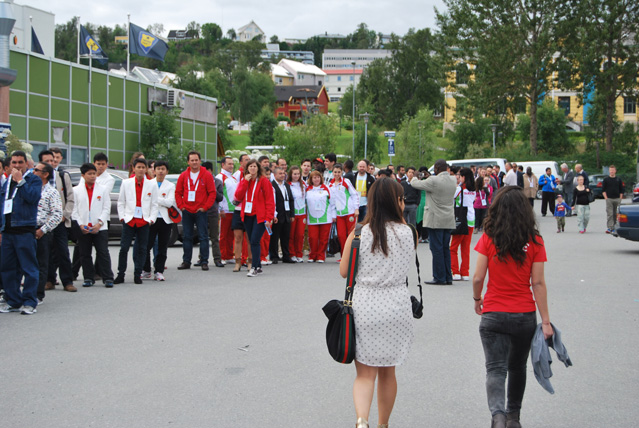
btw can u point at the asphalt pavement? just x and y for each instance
(219, 349)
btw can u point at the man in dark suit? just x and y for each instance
(284, 216)
(519, 170)
(568, 182)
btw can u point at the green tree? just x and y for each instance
(551, 131)
(317, 137)
(211, 32)
(263, 127)
(601, 47)
(510, 45)
(250, 92)
(160, 139)
(415, 139)
(469, 133)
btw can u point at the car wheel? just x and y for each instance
(174, 235)
(539, 194)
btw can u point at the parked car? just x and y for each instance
(628, 219)
(115, 227)
(596, 184)
(539, 169)
(477, 162)
(635, 193)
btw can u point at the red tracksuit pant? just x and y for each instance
(227, 239)
(345, 225)
(318, 240)
(296, 241)
(264, 244)
(456, 242)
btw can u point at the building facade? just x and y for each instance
(303, 74)
(43, 24)
(336, 59)
(250, 31)
(337, 81)
(294, 102)
(273, 51)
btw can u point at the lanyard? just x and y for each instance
(197, 183)
(253, 195)
(15, 190)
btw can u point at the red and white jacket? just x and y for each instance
(345, 197)
(320, 207)
(204, 187)
(261, 197)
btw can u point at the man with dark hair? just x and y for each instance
(92, 211)
(284, 216)
(329, 162)
(49, 216)
(195, 195)
(281, 163)
(401, 173)
(318, 165)
(18, 221)
(440, 219)
(306, 170)
(213, 218)
(348, 166)
(137, 209)
(412, 197)
(499, 175)
(239, 174)
(59, 256)
(101, 162)
(520, 175)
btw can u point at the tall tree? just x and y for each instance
(510, 45)
(601, 53)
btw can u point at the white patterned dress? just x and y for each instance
(381, 301)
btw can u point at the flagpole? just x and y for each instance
(90, 96)
(128, 43)
(78, 40)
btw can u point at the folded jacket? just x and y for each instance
(540, 355)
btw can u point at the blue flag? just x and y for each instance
(88, 46)
(143, 43)
(35, 43)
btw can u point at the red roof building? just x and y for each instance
(293, 101)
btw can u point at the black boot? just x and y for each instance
(499, 421)
(512, 420)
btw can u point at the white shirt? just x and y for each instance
(511, 178)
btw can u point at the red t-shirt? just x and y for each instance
(138, 222)
(90, 195)
(508, 288)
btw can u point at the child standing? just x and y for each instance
(560, 213)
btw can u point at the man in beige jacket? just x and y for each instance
(439, 219)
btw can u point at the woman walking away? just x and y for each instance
(320, 210)
(530, 186)
(381, 302)
(484, 193)
(512, 252)
(255, 194)
(298, 188)
(582, 202)
(464, 196)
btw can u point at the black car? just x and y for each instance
(628, 219)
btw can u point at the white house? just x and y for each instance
(249, 32)
(303, 74)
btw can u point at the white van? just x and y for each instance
(476, 162)
(539, 169)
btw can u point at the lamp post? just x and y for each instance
(494, 128)
(365, 116)
(420, 125)
(340, 119)
(353, 64)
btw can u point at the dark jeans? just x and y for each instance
(19, 259)
(281, 235)
(506, 339)
(85, 245)
(254, 232)
(362, 213)
(410, 214)
(42, 254)
(59, 256)
(547, 200)
(141, 235)
(162, 231)
(189, 221)
(439, 243)
(480, 214)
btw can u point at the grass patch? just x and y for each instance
(239, 141)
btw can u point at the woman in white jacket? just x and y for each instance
(346, 205)
(298, 189)
(320, 209)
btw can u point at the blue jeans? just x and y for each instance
(254, 232)
(18, 259)
(141, 235)
(189, 220)
(439, 243)
(506, 339)
(362, 213)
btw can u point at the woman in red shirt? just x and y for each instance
(512, 250)
(257, 207)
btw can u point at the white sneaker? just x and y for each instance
(229, 261)
(300, 260)
(267, 262)
(465, 278)
(320, 261)
(294, 259)
(310, 261)
(159, 276)
(457, 277)
(252, 272)
(146, 275)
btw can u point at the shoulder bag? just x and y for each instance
(340, 331)
(461, 217)
(418, 305)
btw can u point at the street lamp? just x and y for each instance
(353, 64)
(340, 119)
(365, 115)
(494, 128)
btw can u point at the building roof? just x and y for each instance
(280, 71)
(241, 29)
(299, 67)
(344, 71)
(357, 51)
(286, 93)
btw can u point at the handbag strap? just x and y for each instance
(353, 263)
(419, 277)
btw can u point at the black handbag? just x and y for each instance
(334, 246)
(417, 305)
(461, 219)
(340, 331)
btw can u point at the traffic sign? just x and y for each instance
(391, 147)
(389, 134)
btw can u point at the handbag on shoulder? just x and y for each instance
(340, 331)
(461, 218)
(417, 305)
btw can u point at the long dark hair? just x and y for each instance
(383, 207)
(469, 179)
(511, 224)
(260, 170)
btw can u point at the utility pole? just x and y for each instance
(353, 64)
(365, 116)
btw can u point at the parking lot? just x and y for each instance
(218, 349)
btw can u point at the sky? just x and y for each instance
(291, 20)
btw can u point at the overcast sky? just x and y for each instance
(286, 20)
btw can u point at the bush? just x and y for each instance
(262, 128)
